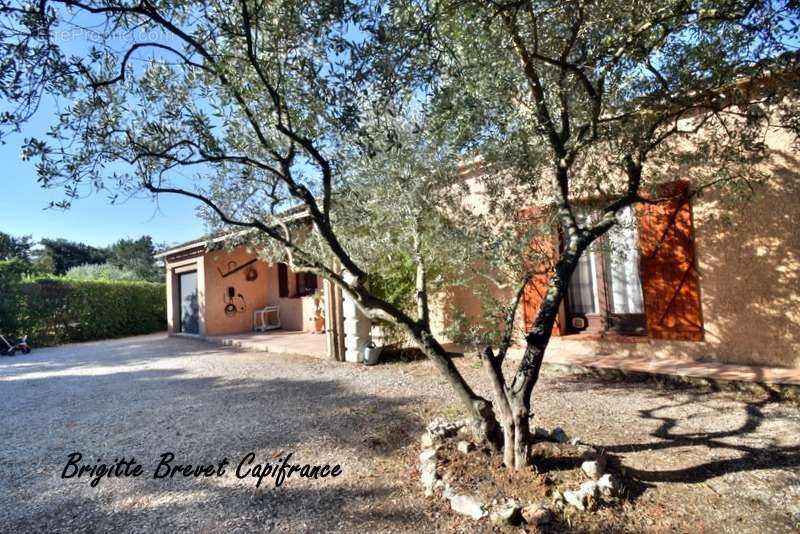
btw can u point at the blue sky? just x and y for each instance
(93, 220)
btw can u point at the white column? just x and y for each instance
(356, 327)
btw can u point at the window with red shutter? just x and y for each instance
(283, 280)
(670, 281)
(306, 283)
(604, 293)
(652, 291)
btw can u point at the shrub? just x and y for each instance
(11, 272)
(55, 310)
(14, 269)
(101, 271)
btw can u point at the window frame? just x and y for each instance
(603, 322)
(302, 289)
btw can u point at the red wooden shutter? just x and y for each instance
(306, 283)
(283, 280)
(670, 281)
(533, 295)
(532, 300)
(311, 282)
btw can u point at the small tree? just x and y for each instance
(575, 101)
(101, 271)
(242, 106)
(136, 256)
(58, 256)
(15, 247)
(253, 107)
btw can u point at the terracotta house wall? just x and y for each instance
(748, 259)
(256, 292)
(748, 263)
(457, 304)
(295, 311)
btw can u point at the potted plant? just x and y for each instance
(319, 316)
(377, 340)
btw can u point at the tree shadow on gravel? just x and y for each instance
(749, 457)
(722, 442)
(227, 509)
(144, 413)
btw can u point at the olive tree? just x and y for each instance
(252, 108)
(583, 99)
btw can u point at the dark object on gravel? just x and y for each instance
(9, 345)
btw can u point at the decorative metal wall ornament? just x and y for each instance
(233, 268)
(234, 302)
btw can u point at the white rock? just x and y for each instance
(427, 440)
(465, 446)
(575, 441)
(429, 476)
(536, 514)
(594, 468)
(447, 493)
(607, 485)
(426, 455)
(430, 465)
(583, 496)
(442, 428)
(575, 499)
(589, 488)
(468, 505)
(507, 513)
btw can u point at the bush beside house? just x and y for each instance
(101, 271)
(54, 310)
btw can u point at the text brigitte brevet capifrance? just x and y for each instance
(167, 468)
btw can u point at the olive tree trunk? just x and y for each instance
(513, 401)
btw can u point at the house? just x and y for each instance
(706, 278)
(214, 292)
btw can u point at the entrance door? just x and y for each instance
(623, 283)
(583, 308)
(605, 291)
(190, 307)
(584, 305)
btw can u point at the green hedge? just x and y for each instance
(58, 310)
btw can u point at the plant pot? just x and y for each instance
(319, 324)
(372, 354)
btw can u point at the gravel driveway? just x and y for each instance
(697, 461)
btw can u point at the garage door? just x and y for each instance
(190, 307)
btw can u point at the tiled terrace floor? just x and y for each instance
(581, 354)
(559, 353)
(277, 342)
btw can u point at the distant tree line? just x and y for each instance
(127, 259)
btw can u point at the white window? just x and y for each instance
(582, 286)
(622, 266)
